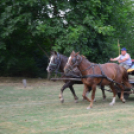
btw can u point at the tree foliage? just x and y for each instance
(91, 27)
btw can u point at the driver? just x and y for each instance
(124, 59)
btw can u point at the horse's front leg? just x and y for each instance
(89, 90)
(86, 88)
(66, 85)
(114, 95)
(92, 97)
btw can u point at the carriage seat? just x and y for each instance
(131, 69)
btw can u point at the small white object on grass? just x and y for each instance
(24, 83)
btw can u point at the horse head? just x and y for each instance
(73, 61)
(54, 62)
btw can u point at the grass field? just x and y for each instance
(37, 110)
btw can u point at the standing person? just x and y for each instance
(124, 59)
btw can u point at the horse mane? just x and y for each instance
(63, 55)
(86, 59)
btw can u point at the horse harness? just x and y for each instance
(93, 75)
(96, 75)
(58, 60)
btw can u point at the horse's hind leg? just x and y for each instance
(66, 85)
(92, 96)
(73, 92)
(114, 94)
(103, 92)
(122, 93)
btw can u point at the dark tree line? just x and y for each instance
(30, 29)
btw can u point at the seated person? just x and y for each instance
(124, 59)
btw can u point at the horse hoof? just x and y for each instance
(60, 96)
(62, 100)
(83, 99)
(123, 100)
(104, 99)
(76, 101)
(88, 107)
(111, 104)
(76, 98)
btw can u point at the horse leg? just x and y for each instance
(114, 94)
(73, 92)
(62, 89)
(85, 92)
(103, 92)
(122, 94)
(89, 90)
(92, 97)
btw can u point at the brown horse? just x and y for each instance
(57, 62)
(98, 74)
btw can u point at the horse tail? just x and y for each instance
(125, 78)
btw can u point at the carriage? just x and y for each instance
(127, 91)
(131, 81)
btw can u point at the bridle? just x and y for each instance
(75, 62)
(57, 64)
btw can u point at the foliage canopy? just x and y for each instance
(91, 27)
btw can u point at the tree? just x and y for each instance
(19, 39)
(91, 27)
(122, 20)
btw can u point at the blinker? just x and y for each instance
(73, 60)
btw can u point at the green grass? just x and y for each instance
(37, 110)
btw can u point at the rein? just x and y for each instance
(90, 67)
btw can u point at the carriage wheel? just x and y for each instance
(126, 95)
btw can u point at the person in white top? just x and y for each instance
(124, 59)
